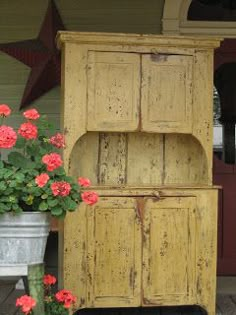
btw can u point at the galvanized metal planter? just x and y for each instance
(23, 238)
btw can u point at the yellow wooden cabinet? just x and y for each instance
(138, 114)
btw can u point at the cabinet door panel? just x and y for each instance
(113, 91)
(114, 253)
(166, 103)
(169, 251)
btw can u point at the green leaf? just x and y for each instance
(8, 173)
(57, 211)
(3, 186)
(43, 206)
(44, 196)
(18, 160)
(20, 143)
(12, 184)
(29, 200)
(52, 202)
(32, 149)
(19, 177)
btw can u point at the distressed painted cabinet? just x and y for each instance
(138, 114)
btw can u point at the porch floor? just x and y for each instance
(226, 304)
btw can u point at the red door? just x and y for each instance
(225, 176)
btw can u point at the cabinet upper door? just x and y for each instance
(166, 102)
(114, 253)
(169, 251)
(113, 90)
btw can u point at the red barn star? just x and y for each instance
(41, 55)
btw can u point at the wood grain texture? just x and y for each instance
(145, 159)
(203, 104)
(169, 259)
(167, 103)
(114, 253)
(185, 160)
(112, 165)
(137, 251)
(84, 157)
(113, 91)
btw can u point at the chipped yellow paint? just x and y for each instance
(114, 243)
(138, 110)
(158, 88)
(169, 246)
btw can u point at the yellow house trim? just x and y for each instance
(175, 22)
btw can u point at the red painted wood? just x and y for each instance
(225, 176)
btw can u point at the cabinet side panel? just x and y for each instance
(185, 160)
(84, 157)
(75, 243)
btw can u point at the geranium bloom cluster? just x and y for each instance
(5, 110)
(52, 160)
(28, 131)
(60, 301)
(41, 181)
(60, 188)
(26, 304)
(49, 280)
(65, 297)
(58, 140)
(7, 137)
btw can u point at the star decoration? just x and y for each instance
(41, 55)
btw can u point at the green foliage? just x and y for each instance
(55, 308)
(18, 189)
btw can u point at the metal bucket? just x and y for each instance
(23, 238)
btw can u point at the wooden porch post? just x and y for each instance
(35, 279)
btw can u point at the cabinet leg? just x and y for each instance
(35, 279)
(209, 309)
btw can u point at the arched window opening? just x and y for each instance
(212, 10)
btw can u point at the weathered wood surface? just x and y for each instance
(139, 159)
(154, 87)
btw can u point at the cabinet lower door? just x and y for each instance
(169, 247)
(114, 253)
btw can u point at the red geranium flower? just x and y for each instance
(28, 130)
(5, 110)
(26, 303)
(60, 189)
(85, 182)
(58, 140)
(7, 137)
(89, 197)
(42, 179)
(52, 160)
(65, 297)
(31, 114)
(49, 280)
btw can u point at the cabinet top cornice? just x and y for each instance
(136, 39)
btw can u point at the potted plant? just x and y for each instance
(33, 186)
(58, 303)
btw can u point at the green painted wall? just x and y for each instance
(21, 19)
